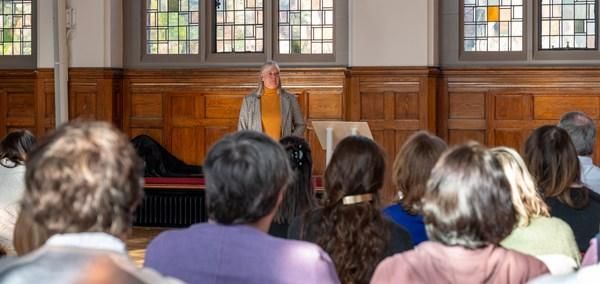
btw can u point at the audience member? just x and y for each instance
(537, 233)
(467, 210)
(83, 183)
(591, 255)
(552, 161)
(412, 169)
(270, 108)
(13, 153)
(582, 130)
(350, 226)
(299, 196)
(246, 175)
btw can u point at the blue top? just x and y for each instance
(412, 223)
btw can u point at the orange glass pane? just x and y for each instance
(493, 13)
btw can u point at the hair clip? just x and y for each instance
(353, 199)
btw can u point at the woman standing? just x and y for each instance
(271, 109)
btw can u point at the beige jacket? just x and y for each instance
(292, 120)
(432, 262)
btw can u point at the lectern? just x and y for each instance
(330, 133)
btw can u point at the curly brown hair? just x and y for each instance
(354, 235)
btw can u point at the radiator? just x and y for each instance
(171, 208)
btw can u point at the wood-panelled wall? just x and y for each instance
(501, 106)
(27, 97)
(188, 110)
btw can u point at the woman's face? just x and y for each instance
(270, 78)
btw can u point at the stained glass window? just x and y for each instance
(15, 27)
(568, 24)
(306, 26)
(493, 25)
(172, 27)
(239, 26)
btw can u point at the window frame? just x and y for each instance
(24, 61)
(561, 54)
(491, 55)
(135, 55)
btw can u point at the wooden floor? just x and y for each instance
(138, 241)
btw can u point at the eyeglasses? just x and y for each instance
(276, 74)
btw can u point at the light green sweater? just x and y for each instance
(543, 236)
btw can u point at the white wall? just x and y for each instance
(393, 33)
(45, 35)
(96, 39)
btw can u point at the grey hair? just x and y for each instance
(245, 173)
(268, 65)
(582, 131)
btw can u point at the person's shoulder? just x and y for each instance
(518, 259)
(176, 236)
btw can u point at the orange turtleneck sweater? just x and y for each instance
(270, 109)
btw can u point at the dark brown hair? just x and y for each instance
(413, 165)
(299, 196)
(552, 160)
(15, 146)
(354, 235)
(84, 177)
(468, 199)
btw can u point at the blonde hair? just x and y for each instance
(526, 199)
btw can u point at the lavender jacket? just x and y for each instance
(213, 253)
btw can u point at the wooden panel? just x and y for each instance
(406, 106)
(372, 106)
(466, 105)
(513, 138)
(325, 106)
(82, 105)
(462, 136)
(146, 105)
(185, 145)
(509, 107)
(553, 107)
(21, 105)
(212, 135)
(222, 106)
(156, 134)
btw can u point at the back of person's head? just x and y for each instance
(352, 230)
(468, 199)
(526, 199)
(552, 161)
(15, 146)
(581, 129)
(245, 174)
(413, 165)
(299, 196)
(84, 177)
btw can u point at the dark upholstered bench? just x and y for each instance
(172, 202)
(178, 202)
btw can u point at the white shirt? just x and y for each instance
(590, 174)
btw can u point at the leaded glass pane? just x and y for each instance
(306, 26)
(172, 26)
(493, 25)
(238, 26)
(15, 27)
(568, 24)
